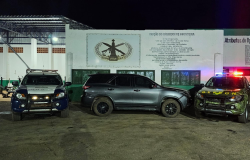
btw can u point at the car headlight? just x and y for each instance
(201, 96)
(20, 96)
(186, 93)
(236, 98)
(60, 95)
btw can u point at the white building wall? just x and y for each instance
(16, 67)
(43, 58)
(11, 67)
(59, 62)
(204, 45)
(237, 51)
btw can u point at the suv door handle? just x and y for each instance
(110, 89)
(137, 90)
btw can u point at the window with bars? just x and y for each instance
(58, 50)
(80, 76)
(1, 49)
(148, 73)
(17, 49)
(42, 50)
(180, 77)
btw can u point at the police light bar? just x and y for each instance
(40, 70)
(238, 73)
(221, 74)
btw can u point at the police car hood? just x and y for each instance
(220, 91)
(42, 89)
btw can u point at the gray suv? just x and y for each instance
(104, 93)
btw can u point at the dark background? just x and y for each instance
(140, 14)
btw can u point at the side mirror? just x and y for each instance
(15, 83)
(68, 83)
(153, 85)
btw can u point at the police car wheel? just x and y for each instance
(65, 113)
(170, 108)
(244, 117)
(102, 107)
(198, 114)
(16, 116)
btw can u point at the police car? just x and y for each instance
(40, 91)
(224, 94)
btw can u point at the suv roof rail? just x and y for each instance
(40, 70)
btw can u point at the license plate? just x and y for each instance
(41, 105)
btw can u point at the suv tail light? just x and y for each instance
(85, 87)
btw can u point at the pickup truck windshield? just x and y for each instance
(42, 80)
(226, 82)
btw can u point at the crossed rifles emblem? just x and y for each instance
(112, 49)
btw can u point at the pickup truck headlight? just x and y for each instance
(60, 95)
(236, 98)
(20, 96)
(200, 96)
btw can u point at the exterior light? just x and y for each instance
(34, 97)
(55, 39)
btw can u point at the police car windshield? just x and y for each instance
(42, 80)
(226, 82)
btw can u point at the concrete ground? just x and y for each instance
(124, 135)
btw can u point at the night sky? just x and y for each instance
(140, 14)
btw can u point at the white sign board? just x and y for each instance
(145, 50)
(237, 51)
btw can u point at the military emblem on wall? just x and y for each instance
(113, 49)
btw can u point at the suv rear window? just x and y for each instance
(100, 78)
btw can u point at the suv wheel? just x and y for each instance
(102, 107)
(16, 116)
(170, 108)
(65, 113)
(244, 117)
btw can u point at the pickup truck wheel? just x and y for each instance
(244, 117)
(16, 116)
(198, 114)
(170, 108)
(102, 107)
(65, 113)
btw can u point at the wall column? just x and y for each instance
(33, 53)
(6, 68)
(51, 58)
(218, 63)
(69, 66)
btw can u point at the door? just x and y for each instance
(144, 93)
(121, 91)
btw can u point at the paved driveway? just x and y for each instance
(124, 135)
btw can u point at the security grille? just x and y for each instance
(148, 73)
(58, 50)
(17, 49)
(42, 50)
(180, 77)
(80, 76)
